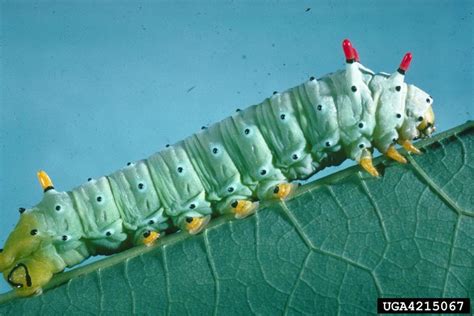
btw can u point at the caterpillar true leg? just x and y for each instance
(395, 155)
(366, 163)
(409, 147)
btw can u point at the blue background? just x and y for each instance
(86, 87)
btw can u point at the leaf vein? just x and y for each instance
(445, 197)
(295, 285)
(167, 279)
(213, 271)
(451, 251)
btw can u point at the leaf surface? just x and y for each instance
(337, 245)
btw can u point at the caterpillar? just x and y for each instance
(256, 154)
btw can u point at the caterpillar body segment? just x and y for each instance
(389, 93)
(251, 154)
(135, 195)
(138, 201)
(99, 214)
(226, 168)
(180, 189)
(58, 222)
(316, 107)
(216, 170)
(276, 119)
(354, 107)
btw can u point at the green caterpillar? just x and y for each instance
(253, 155)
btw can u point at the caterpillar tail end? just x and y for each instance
(30, 275)
(195, 225)
(410, 147)
(244, 208)
(366, 163)
(392, 153)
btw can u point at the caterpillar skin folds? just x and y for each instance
(227, 168)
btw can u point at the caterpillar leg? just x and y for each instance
(195, 225)
(243, 208)
(409, 147)
(395, 155)
(146, 236)
(284, 190)
(149, 237)
(366, 163)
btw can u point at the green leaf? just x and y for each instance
(335, 247)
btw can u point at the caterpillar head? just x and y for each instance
(29, 258)
(420, 119)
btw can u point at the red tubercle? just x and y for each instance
(348, 50)
(406, 61)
